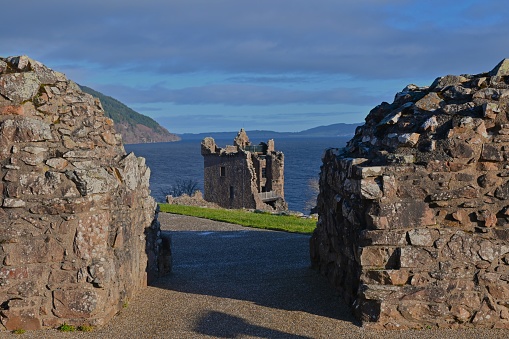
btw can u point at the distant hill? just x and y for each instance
(134, 127)
(334, 130)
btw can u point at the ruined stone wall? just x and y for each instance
(238, 170)
(275, 162)
(237, 175)
(413, 223)
(79, 234)
(259, 165)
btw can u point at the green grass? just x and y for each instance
(287, 223)
(66, 328)
(85, 328)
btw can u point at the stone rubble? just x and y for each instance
(413, 223)
(79, 234)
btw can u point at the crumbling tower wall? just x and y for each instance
(79, 234)
(413, 223)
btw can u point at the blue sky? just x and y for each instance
(284, 65)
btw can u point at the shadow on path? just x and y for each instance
(222, 325)
(267, 268)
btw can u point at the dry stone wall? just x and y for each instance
(79, 234)
(413, 223)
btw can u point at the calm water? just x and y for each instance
(182, 160)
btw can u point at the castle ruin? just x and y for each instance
(244, 175)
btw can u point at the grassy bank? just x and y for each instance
(287, 223)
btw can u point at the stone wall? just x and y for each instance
(237, 177)
(79, 234)
(413, 223)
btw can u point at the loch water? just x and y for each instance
(171, 161)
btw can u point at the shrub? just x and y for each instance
(85, 328)
(66, 328)
(181, 187)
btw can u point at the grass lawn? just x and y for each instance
(287, 223)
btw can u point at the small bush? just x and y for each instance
(181, 187)
(19, 331)
(66, 328)
(85, 328)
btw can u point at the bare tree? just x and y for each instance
(181, 187)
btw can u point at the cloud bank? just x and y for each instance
(257, 53)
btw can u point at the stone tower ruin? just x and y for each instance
(244, 175)
(79, 234)
(413, 223)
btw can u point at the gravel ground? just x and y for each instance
(234, 282)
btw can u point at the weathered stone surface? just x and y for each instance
(370, 188)
(70, 304)
(400, 215)
(430, 125)
(420, 237)
(78, 229)
(501, 69)
(57, 163)
(415, 209)
(19, 87)
(430, 102)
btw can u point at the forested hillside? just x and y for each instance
(134, 127)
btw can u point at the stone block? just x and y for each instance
(401, 215)
(395, 238)
(375, 256)
(370, 188)
(12, 110)
(25, 129)
(487, 315)
(499, 290)
(82, 303)
(372, 171)
(430, 125)
(491, 153)
(91, 239)
(382, 292)
(398, 277)
(389, 186)
(27, 319)
(57, 163)
(502, 192)
(490, 110)
(461, 150)
(423, 313)
(13, 203)
(414, 257)
(408, 139)
(468, 192)
(19, 87)
(420, 237)
(430, 102)
(33, 250)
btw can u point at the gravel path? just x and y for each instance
(234, 282)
